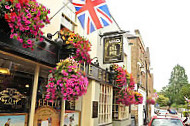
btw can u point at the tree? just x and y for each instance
(185, 91)
(162, 100)
(177, 80)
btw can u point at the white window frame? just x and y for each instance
(105, 104)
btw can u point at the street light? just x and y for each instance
(146, 69)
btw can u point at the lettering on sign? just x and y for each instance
(10, 96)
(113, 49)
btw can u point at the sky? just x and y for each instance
(165, 28)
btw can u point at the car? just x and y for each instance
(172, 111)
(162, 112)
(166, 121)
(156, 111)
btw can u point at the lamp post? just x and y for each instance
(146, 91)
(146, 69)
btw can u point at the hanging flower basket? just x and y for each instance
(125, 96)
(25, 18)
(120, 75)
(131, 83)
(68, 82)
(78, 44)
(138, 98)
(150, 100)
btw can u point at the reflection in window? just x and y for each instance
(16, 80)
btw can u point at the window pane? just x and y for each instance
(16, 82)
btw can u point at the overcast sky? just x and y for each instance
(165, 29)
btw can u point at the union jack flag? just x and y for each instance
(92, 14)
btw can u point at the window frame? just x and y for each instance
(105, 104)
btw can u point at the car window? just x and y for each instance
(166, 122)
(163, 111)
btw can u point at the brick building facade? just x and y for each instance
(140, 64)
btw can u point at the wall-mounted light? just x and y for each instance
(27, 85)
(111, 75)
(96, 63)
(5, 71)
(59, 40)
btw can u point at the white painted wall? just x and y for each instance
(152, 110)
(54, 6)
(140, 108)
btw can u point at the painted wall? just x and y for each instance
(126, 122)
(141, 115)
(91, 95)
(84, 104)
(54, 6)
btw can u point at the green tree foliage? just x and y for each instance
(177, 80)
(185, 91)
(162, 100)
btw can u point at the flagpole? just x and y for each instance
(60, 10)
(115, 22)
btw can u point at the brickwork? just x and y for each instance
(139, 59)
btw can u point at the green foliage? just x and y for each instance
(174, 105)
(162, 100)
(186, 113)
(177, 80)
(185, 91)
(155, 91)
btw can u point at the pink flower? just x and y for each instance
(27, 22)
(39, 13)
(29, 15)
(41, 39)
(18, 6)
(29, 41)
(48, 11)
(70, 70)
(7, 7)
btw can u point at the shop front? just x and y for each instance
(23, 76)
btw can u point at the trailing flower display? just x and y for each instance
(150, 100)
(138, 98)
(120, 75)
(126, 85)
(67, 82)
(25, 19)
(128, 97)
(131, 83)
(80, 44)
(125, 96)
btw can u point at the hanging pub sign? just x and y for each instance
(113, 49)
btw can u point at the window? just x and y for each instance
(120, 111)
(16, 80)
(105, 104)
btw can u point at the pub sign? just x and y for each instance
(113, 49)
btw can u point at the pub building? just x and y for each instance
(24, 75)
